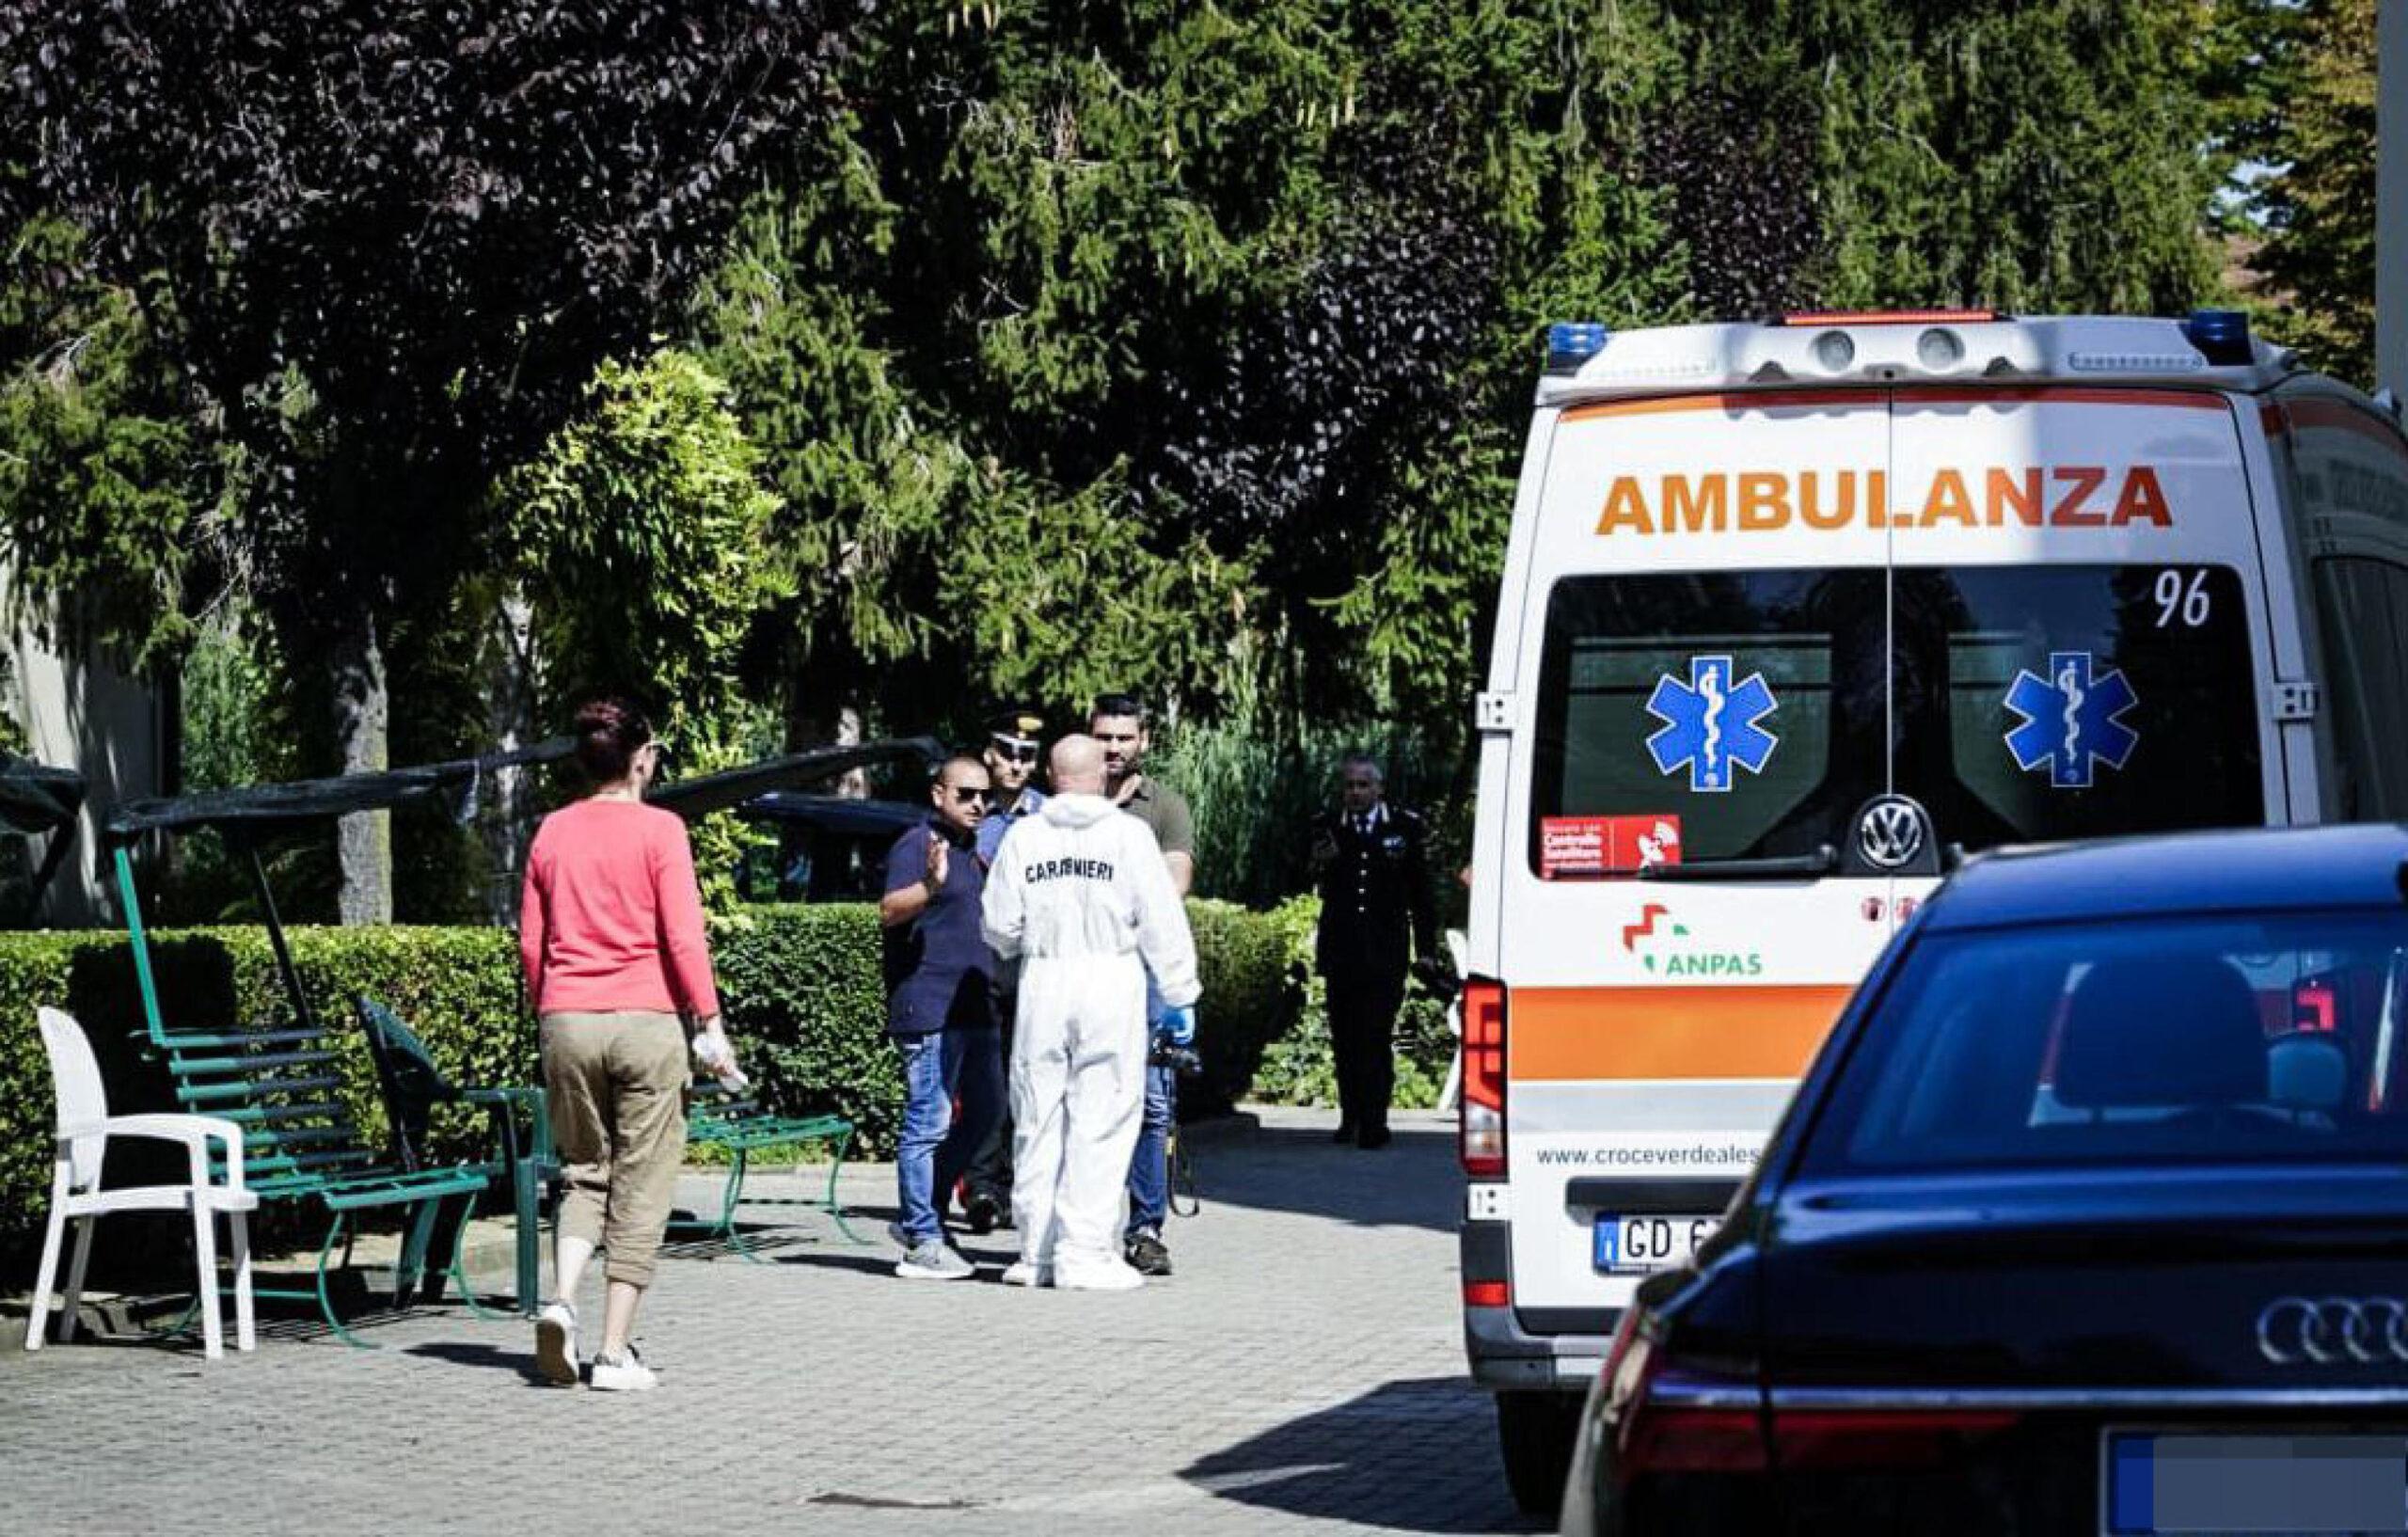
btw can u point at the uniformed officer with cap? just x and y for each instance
(1370, 860)
(1015, 735)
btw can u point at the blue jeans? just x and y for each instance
(1150, 1166)
(1149, 1170)
(936, 1145)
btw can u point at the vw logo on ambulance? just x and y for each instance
(1888, 833)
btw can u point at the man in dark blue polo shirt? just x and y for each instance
(940, 1009)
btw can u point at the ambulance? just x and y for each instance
(1796, 615)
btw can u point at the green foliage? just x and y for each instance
(641, 531)
(2034, 158)
(801, 987)
(458, 987)
(1250, 999)
(643, 537)
(104, 481)
(1253, 795)
(806, 1006)
(2317, 203)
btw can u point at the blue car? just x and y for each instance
(2090, 1216)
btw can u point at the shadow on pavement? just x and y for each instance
(518, 1359)
(1408, 1456)
(1412, 1183)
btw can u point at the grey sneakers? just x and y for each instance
(933, 1260)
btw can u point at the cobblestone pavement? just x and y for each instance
(1301, 1373)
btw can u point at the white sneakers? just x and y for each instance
(556, 1356)
(626, 1374)
(1021, 1273)
(1113, 1274)
(556, 1343)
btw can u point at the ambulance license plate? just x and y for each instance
(1636, 1245)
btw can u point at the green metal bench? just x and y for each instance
(519, 1155)
(301, 1145)
(720, 1116)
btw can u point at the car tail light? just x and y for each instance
(1823, 1439)
(1482, 1126)
(1488, 1294)
(1657, 1432)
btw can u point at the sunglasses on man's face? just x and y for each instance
(966, 794)
(1015, 749)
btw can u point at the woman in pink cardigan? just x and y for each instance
(611, 932)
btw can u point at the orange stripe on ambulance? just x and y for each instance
(1764, 501)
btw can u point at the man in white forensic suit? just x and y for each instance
(1081, 893)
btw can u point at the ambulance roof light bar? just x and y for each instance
(1892, 317)
(2212, 350)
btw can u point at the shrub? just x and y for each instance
(807, 1006)
(802, 988)
(1250, 1000)
(458, 986)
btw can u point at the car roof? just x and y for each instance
(2253, 870)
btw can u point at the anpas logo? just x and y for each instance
(1667, 948)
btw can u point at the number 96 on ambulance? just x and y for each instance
(1793, 617)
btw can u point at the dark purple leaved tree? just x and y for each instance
(388, 240)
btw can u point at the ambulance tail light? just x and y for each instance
(1482, 1138)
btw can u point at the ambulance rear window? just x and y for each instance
(1752, 713)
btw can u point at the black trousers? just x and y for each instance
(1362, 1037)
(990, 1166)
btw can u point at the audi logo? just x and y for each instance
(2333, 1331)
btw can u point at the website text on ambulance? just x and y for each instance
(1762, 501)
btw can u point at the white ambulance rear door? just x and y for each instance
(1699, 679)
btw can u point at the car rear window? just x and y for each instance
(1756, 712)
(2177, 1040)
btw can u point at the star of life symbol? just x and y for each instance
(2070, 720)
(1710, 725)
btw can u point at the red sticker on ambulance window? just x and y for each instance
(1572, 846)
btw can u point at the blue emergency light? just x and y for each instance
(2221, 336)
(1571, 343)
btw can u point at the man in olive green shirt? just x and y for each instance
(1119, 722)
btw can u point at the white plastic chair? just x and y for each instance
(1458, 951)
(85, 1126)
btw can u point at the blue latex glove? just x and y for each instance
(1178, 1025)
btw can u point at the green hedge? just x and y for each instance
(802, 988)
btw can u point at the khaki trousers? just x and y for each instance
(617, 1088)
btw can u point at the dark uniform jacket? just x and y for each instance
(1376, 911)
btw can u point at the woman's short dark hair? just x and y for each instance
(607, 731)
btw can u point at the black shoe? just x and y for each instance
(1344, 1133)
(1373, 1136)
(1148, 1257)
(982, 1212)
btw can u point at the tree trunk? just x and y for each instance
(514, 674)
(363, 720)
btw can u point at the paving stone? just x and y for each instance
(1301, 1372)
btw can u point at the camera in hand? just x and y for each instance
(1183, 1058)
